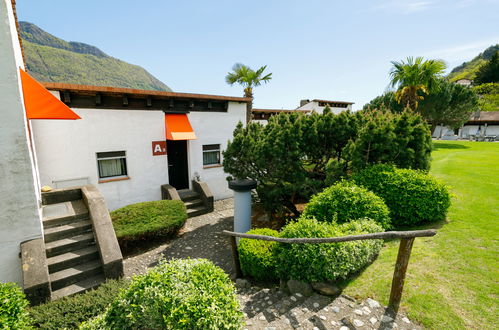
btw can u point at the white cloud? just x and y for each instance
(462, 52)
(405, 6)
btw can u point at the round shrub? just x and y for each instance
(177, 294)
(326, 261)
(13, 304)
(346, 201)
(257, 257)
(148, 220)
(413, 197)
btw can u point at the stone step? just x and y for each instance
(67, 230)
(75, 274)
(73, 258)
(63, 213)
(195, 211)
(193, 203)
(187, 195)
(69, 244)
(78, 287)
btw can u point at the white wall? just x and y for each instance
(213, 128)
(19, 192)
(67, 150)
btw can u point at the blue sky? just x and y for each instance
(335, 50)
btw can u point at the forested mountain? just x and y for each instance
(51, 59)
(468, 70)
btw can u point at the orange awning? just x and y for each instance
(178, 127)
(40, 103)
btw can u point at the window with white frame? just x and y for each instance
(211, 154)
(111, 164)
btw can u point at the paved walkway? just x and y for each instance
(265, 308)
(200, 238)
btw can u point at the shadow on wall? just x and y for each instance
(437, 146)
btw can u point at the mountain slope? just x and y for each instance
(49, 58)
(468, 70)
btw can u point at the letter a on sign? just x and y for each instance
(158, 148)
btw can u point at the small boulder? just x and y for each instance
(325, 288)
(295, 286)
(241, 283)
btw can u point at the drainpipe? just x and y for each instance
(242, 203)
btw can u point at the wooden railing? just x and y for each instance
(404, 253)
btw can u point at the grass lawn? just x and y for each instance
(452, 279)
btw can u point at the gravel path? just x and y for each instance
(199, 238)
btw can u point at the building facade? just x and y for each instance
(130, 142)
(481, 125)
(319, 105)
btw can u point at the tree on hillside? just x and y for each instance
(248, 78)
(488, 95)
(414, 78)
(489, 72)
(449, 104)
(385, 101)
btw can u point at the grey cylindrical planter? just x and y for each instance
(242, 203)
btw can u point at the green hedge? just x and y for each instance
(413, 197)
(257, 257)
(13, 304)
(69, 312)
(178, 294)
(148, 219)
(344, 202)
(328, 261)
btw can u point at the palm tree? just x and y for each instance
(414, 78)
(245, 76)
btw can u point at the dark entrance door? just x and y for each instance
(177, 164)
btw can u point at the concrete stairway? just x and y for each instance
(193, 202)
(73, 258)
(273, 309)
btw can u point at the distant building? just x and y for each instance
(319, 105)
(306, 106)
(263, 115)
(480, 125)
(464, 82)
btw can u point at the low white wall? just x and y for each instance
(213, 128)
(67, 151)
(19, 212)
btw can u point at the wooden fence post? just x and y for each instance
(235, 256)
(399, 274)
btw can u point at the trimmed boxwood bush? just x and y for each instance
(69, 312)
(346, 201)
(13, 303)
(257, 257)
(327, 261)
(178, 294)
(413, 197)
(148, 219)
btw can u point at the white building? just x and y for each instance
(130, 142)
(319, 105)
(465, 82)
(20, 200)
(482, 125)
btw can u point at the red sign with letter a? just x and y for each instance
(158, 148)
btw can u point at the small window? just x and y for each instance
(111, 164)
(211, 154)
